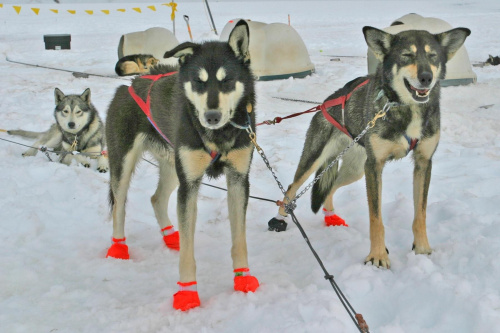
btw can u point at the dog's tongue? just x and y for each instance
(420, 91)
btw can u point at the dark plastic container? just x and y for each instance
(57, 42)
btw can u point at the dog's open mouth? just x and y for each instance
(419, 95)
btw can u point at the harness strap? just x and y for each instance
(146, 105)
(411, 142)
(339, 101)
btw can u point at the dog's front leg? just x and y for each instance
(378, 252)
(190, 166)
(421, 181)
(237, 200)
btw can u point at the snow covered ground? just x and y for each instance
(54, 226)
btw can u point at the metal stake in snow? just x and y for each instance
(211, 18)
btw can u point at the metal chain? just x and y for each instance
(252, 136)
(291, 205)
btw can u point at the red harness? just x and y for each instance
(146, 108)
(341, 100)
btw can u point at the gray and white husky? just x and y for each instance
(78, 128)
(193, 122)
(406, 84)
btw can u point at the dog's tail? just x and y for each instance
(25, 134)
(323, 186)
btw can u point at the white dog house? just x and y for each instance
(155, 41)
(458, 69)
(276, 50)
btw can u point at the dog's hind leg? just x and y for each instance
(50, 139)
(350, 171)
(316, 152)
(421, 181)
(166, 185)
(121, 170)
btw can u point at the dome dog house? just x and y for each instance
(155, 41)
(458, 69)
(276, 51)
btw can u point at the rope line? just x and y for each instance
(219, 188)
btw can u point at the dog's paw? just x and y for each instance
(118, 251)
(425, 249)
(246, 284)
(172, 241)
(86, 165)
(335, 221)
(186, 299)
(30, 152)
(379, 259)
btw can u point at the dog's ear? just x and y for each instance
(378, 41)
(239, 40)
(85, 96)
(58, 95)
(182, 51)
(452, 40)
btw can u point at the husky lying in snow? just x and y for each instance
(77, 128)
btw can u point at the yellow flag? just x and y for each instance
(90, 12)
(174, 9)
(137, 9)
(36, 10)
(1, 5)
(54, 11)
(152, 8)
(105, 11)
(17, 9)
(121, 10)
(72, 11)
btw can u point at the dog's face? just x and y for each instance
(493, 60)
(415, 60)
(215, 76)
(72, 112)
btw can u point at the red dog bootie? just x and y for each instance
(244, 281)
(118, 249)
(187, 296)
(171, 237)
(333, 220)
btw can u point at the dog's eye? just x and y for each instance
(65, 111)
(433, 55)
(407, 55)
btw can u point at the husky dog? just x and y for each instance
(493, 60)
(406, 84)
(77, 128)
(193, 122)
(135, 64)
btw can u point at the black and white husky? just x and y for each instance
(78, 128)
(406, 85)
(192, 120)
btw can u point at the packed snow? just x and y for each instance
(55, 225)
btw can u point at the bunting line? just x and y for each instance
(39, 11)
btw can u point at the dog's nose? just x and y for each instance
(425, 78)
(71, 124)
(213, 117)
